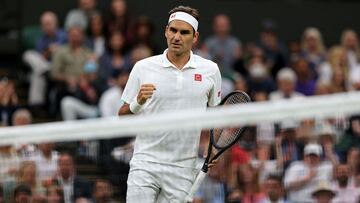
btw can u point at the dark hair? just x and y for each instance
(187, 9)
(275, 177)
(22, 189)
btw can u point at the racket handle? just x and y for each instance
(199, 179)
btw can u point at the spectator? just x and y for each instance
(264, 165)
(81, 16)
(114, 57)
(39, 59)
(290, 146)
(324, 193)
(336, 60)
(259, 79)
(22, 194)
(96, 35)
(274, 190)
(110, 101)
(142, 34)
(350, 42)
(305, 83)
(8, 101)
(327, 139)
(274, 50)
(223, 48)
(286, 80)
(46, 159)
(313, 49)
(351, 137)
(119, 19)
(72, 185)
(102, 191)
(344, 185)
(83, 103)
(249, 185)
(27, 176)
(67, 66)
(302, 177)
(54, 194)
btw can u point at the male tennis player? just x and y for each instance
(163, 165)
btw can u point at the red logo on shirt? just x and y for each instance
(197, 77)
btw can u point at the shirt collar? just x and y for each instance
(166, 63)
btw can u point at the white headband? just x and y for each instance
(184, 17)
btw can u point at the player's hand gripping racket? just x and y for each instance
(221, 139)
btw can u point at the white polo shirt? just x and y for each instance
(197, 84)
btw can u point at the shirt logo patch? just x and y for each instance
(219, 93)
(198, 77)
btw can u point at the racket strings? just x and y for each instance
(226, 136)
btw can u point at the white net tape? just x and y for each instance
(296, 109)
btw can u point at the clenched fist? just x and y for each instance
(146, 91)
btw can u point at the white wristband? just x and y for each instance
(135, 107)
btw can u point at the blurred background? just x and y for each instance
(70, 59)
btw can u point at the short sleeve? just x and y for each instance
(132, 86)
(215, 93)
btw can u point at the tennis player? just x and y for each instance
(163, 166)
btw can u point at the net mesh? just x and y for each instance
(103, 147)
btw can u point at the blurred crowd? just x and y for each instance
(78, 71)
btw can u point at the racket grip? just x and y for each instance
(199, 179)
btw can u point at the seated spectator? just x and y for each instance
(327, 139)
(67, 66)
(39, 59)
(264, 165)
(344, 185)
(274, 50)
(22, 194)
(54, 194)
(110, 101)
(313, 48)
(20, 117)
(96, 35)
(302, 177)
(113, 58)
(119, 19)
(305, 83)
(81, 15)
(27, 176)
(46, 159)
(336, 60)
(286, 80)
(353, 161)
(143, 33)
(339, 81)
(289, 142)
(350, 42)
(248, 183)
(8, 101)
(83, 103)
(324, 193)
(274, 189)
(259, 78)
(72, 185)
(350, 138)
(102, 191)
(223, 48)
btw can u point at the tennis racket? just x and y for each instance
(221, 139)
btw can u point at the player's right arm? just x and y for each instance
(145, 92)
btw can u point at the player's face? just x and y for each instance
(180, 37)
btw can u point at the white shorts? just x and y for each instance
(150, 182)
